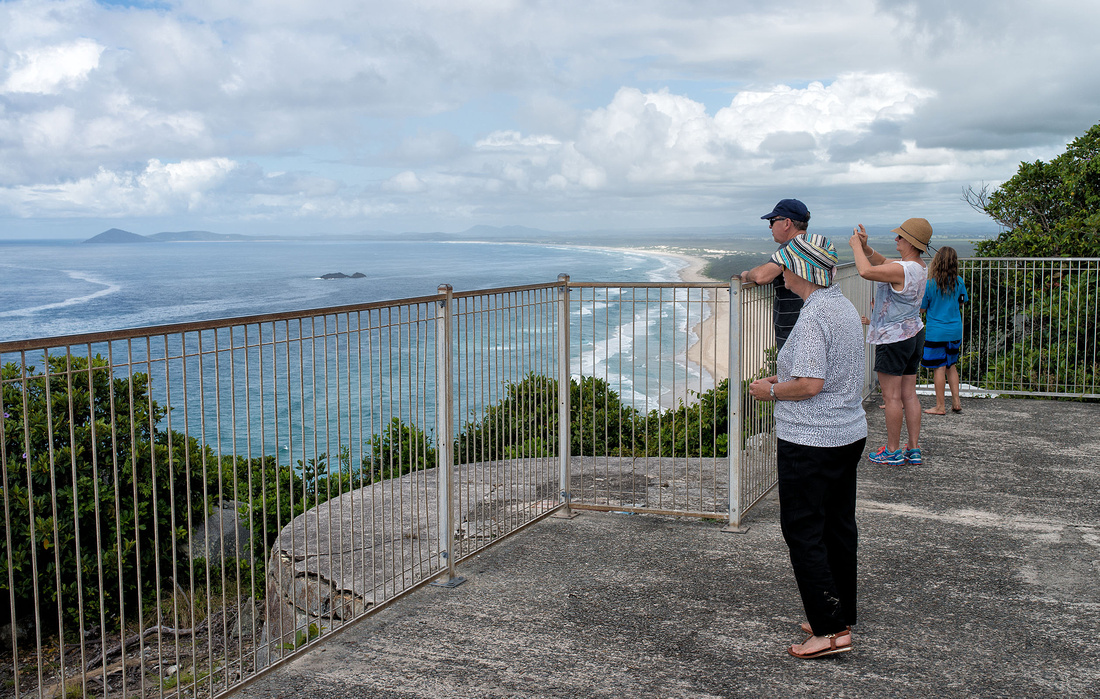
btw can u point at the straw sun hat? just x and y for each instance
(917, 231)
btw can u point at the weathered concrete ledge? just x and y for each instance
(335, 561)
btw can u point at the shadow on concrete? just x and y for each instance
(979, 573)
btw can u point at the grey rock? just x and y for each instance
(334, 562)
(246, 620)
(341, 275)
(223, 534)
(24, 629)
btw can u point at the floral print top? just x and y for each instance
(895, 315)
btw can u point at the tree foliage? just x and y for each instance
(524, 423)
(1047, 209)
(103, 503)
(91, 498)
(398, 449)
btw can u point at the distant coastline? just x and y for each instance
(117, 236)
(710, 351)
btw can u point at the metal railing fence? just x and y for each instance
(185, 505)
(752, 434)
(505, 368)
(650, 397)
(860, 292)
(1032, 326)
(147, 473)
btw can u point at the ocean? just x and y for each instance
(54, 289)
(50, 289)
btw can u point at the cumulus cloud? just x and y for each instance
(435, 110)
(160, 188)
(48, 70)
(406, 181)
(661, 138)
(644, 137)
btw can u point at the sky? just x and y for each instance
(342, 116)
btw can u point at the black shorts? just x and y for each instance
(901, 358)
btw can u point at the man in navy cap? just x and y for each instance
(788, 219)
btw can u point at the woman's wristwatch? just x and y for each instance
(772, 391)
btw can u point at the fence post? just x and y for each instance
(734, 437)
(564, 436)
(444, 429)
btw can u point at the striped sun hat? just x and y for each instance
(810, 256)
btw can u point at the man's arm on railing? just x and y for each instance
(762, 274)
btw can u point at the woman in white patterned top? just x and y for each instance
(820, 430)
(897, 332)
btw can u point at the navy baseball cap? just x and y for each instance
(789, 208)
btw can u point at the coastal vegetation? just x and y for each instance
(1049, 210)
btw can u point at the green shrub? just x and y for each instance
(83, 481)
(397, 450)
(1031, 328)
(125, 494)
(524, 423)
(600, 424)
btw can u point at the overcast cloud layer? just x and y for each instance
(344, 115)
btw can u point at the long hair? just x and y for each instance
(944, 269)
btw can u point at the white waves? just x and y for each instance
(108, 289)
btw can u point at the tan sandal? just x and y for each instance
(833, 648)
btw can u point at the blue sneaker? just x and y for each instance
(885, 457)
(913, 456)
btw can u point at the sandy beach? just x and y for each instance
(710, 351)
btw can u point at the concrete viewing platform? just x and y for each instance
(979, 577)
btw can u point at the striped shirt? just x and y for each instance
(785, 309)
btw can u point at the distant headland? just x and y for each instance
(117, 235)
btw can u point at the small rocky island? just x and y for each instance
(341, 275)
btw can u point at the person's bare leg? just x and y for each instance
(911, 403)
(891, 396)
(941, 403)
(953, 381)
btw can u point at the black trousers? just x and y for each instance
(817, 510)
